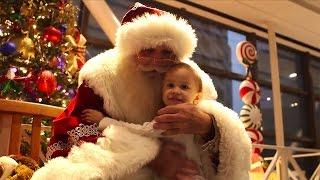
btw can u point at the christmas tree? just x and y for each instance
(41, 50)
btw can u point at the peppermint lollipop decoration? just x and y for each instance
(246, 53)
(249, 91)
(250, 116)
(256, 138)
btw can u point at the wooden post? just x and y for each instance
(105, 17)
(35, 138)
(277, 106)
(5, 131)
(15, 136)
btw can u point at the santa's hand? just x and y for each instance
(183, 118)
(91, 115)
(172, 162)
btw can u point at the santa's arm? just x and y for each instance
(68, 128)
(146, 129)
(231, 143)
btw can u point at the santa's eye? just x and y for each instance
(167, 53)
(148, 51)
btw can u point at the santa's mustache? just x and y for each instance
(152, 68)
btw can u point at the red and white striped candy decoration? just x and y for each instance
(249, 91)
(246, 53)
(256, 138)
(250, 116)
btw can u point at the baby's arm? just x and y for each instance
(146, 129)
(95, 116)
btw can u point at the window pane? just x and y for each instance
(289, 65)
(233, 39)
(294, 116)
(93, 50)
(217, 46)
(263, 61)
(266, 106)
(223, 87)
(290, 68)
(315, 71)
(317, 117)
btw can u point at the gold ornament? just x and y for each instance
(72, 63)
(76, 57)
(26, 48)
(26, 11)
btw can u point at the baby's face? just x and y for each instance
(179, 86)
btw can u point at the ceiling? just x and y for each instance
(295, 19)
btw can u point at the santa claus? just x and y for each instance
(125, 84)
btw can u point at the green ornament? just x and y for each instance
(10, 87)
(15, 16)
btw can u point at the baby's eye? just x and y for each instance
(184, 86)
(170, 85)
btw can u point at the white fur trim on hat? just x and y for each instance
(151, 30)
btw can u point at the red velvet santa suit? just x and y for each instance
(111, 83)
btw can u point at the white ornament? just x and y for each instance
(250, 116)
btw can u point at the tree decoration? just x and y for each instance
(47, 82)
(52, 34)
(249, 91)
(8, 48)
(250, 116)
(32, 39)
(76, 56)
(26, 48)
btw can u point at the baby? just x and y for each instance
(181, 84)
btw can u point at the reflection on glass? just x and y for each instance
(263, 60)
(315, 71)
(289, 65)
(217, 46)
(317, 117)
(294, 116)
(266, 107)
(290, 68)
(224, 89)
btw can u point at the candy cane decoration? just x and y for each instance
(246, 53)
(249, 91)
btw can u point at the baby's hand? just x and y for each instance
(91, 115)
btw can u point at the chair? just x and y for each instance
(11, 112)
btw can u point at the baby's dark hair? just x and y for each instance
(190, 69)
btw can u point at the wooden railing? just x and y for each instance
(288, 155)
(11, 112)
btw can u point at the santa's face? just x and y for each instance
(155, 60)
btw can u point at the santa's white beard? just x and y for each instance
(138, 95)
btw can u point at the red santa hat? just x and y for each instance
(145, 27)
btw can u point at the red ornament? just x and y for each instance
(52, 34)
(61, 4)
(249, 91)
(46, 82)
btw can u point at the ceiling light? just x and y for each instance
(293, 75)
